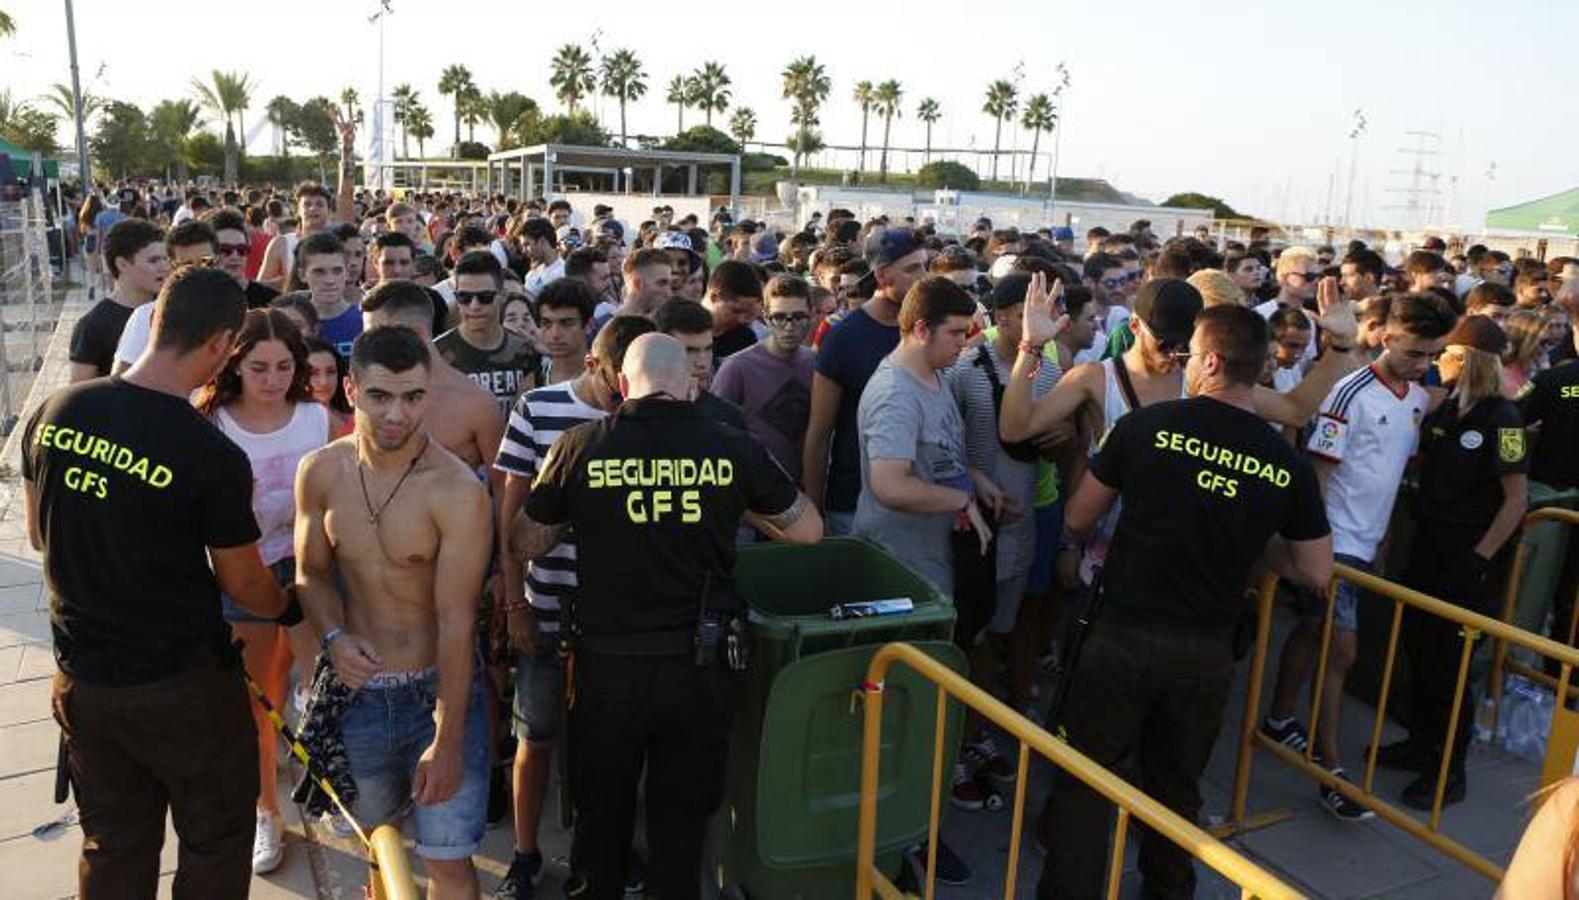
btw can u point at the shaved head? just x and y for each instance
(656, 364)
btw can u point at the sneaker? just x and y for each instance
(498, 796)
(965, 792)
(1420, 792)
(636, 878)
(1408, 754)
(1289, 733)
(268, 843)
(985, 757)
(951, 869)
(520, 883)
(1339, 804)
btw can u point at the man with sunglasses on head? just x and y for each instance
(501, 363)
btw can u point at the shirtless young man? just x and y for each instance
(406, 527)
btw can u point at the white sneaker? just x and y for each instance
(268, 843)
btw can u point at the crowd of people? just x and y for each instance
(372, 438)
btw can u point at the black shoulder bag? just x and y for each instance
(1020, 451)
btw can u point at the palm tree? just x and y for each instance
(806, 86)
(1001, 102)
(572, 76)
(679, 93)
(506, 110)
(404, 97)
(456, 81)
(1039, 116)
(711, 89)
(244, 88)
(743, 125)
(420, 123)
(865, 96)
(624, 80)
(888, 95)
(172, 123)
(474, 109)
(7, 24)
(279, 112)
(224, 95)
(351, 105)
(929, 112)
(60, 97)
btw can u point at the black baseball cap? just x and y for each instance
(1009, 291)
(1169, 306)
(886, 246)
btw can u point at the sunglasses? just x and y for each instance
(477, 298)
(232, 250)
(780, 320)
(1115, 283)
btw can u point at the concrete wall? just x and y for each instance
(965, 207)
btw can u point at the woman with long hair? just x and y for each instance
(1543, 868)
(1526, 351)
(326, 380)
(1471, 496)
(88, 237)
(262, 402)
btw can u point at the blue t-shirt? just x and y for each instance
(848, 356)
(106, 220)
(342, 330)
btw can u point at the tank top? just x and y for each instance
(274, 458)
(1115, 405)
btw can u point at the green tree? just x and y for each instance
(1039, 116)
(419, 121)
(806, 86)
(580, 128)
(204, 154)
(929, 112)
(59, 97)
(120, 145)
(351, 106)
(865, 96)
(25, 125)
(702, 139)
(678, 93)
(404, 97)
(947, 174)
(313, 128)
(225, 95)
(1193, 200)
(505, 111)
(1002, 101)
(743, 124)
(279, 110)
(170, 126)
(888, 95)
(7, 24)
(711, 90)
(456, 81)
(624, 80)
(571, 75)
(474, 110)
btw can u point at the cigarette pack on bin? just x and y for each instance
(868, 608)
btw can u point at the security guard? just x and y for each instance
(1472, 494)
(1205, 487)
(1550, 402)
(654, 494)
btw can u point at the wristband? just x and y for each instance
(1336, 349)
(330, 635)
(293, 610)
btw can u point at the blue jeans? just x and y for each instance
(539, 707)
(387, 727)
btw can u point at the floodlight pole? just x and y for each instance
(84, 172)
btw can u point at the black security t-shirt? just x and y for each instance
(719, 409)
(1462, 461)
(1204, 486)
(654, 494)
(133, 487)
(94, 338)
(1551, 400)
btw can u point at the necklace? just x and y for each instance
(374, 514)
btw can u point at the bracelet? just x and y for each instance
(1036, 357)
(330, 635)
(522, 606)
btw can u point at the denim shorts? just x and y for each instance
(1345, 605)
(284, 573)
(387, 727)
(539, 706)
(1049, 528)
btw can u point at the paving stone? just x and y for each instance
(38, 661)
(26, 802)
(30, 747)
(16, 569)
(20, 598)
(10, 663)
(24, 628)
(24, 701)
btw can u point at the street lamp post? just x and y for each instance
(1058, 132)
(1354, 156)
(85, 173)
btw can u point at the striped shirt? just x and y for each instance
(538, 419)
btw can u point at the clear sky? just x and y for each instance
(1252, 102)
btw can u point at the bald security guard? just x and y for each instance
(1207, 489)
(654, 494)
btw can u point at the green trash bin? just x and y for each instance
(787, 825)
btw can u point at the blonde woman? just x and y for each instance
(1526, 351)
(1472, 492)
(1543, 866)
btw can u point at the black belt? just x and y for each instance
(680, 642)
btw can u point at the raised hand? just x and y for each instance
(1334, 314)
(1043, 318)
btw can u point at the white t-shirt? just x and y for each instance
(136, 334)
(275, 457)
(1370, 432)
(1463, 284)
(1308, 355)
(541, 276)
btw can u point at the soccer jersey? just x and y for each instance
(540, 416)
(1370, 431)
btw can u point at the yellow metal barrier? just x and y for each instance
(1131, 802)
(386, 849)
(1472, 625)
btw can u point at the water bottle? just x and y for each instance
(1485, 720)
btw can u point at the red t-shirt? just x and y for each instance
(258, 245)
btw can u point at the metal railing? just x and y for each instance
(26, 284)
(1131, 802)
(1473, 626)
